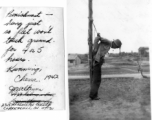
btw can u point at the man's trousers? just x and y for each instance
(96, 80)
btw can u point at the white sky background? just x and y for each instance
(127, 20)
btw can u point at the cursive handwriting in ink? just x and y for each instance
(11, 59)
(23, 69)
(7, 32)
(24, 78)
(23, 14)
(43, 31)
(23, 89)
(32, 94)
(14, 40)
(11, 49)
(51, 77)
(11, 22)
(38, 23)
(39, 50)
(28, 38)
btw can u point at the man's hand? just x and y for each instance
(96, 44)
(102, 60)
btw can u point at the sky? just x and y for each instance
(127, 20)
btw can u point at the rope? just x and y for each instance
(95, 27)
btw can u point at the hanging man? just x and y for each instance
(100, 48)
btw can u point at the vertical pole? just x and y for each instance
(90, 38)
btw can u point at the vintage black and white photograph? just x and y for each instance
(108, 59)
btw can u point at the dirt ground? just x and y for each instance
(121, 99)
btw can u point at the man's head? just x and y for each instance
(116, 44)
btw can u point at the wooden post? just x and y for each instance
(90, 38)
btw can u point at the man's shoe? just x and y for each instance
(97, 98)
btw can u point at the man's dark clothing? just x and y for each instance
(96, 80)
(99, 51)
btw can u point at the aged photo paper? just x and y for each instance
(31, 58)
(109, 44)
